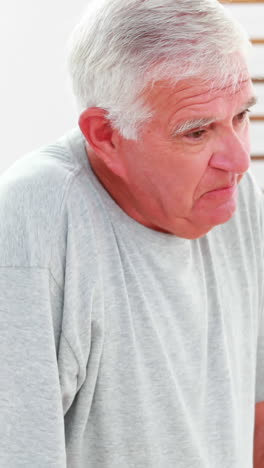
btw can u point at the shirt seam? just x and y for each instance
(74, 355)
(68, 186)
(16, 267)
(62, 334)
(47, 269)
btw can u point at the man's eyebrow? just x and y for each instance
(189, 125)
(251, 102)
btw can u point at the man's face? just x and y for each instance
(185, 181)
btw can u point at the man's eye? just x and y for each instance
(196, 135)
(242, 116)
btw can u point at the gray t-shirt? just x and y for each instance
(122, 346)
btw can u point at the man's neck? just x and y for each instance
(117, 189)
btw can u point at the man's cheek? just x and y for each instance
(247, 140)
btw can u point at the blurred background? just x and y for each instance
(36, 102)
(251, 14)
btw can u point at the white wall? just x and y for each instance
(36, 101)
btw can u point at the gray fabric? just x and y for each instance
(121, 346)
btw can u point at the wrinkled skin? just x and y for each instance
(185, 184)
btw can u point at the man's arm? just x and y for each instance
(31, 411)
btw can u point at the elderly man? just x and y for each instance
(132, 254)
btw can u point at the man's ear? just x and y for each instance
(102, 138)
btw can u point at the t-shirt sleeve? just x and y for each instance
(38, 376)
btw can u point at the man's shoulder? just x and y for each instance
(250, 199)
(247, 223)
(44, 168)
(249, 185)
(32, 194)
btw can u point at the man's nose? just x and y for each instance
(232, 154)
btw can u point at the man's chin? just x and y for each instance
(216, 208)
(220, 215)
(202, 220)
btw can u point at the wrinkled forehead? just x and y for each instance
(164, 95)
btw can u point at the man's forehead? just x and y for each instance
(194, 87)
(187, 125)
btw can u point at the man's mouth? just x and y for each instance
(228, 185)
(223, 187)
(221, 193)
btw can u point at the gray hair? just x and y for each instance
(121, 47)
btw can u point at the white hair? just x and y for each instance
(121, 47)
